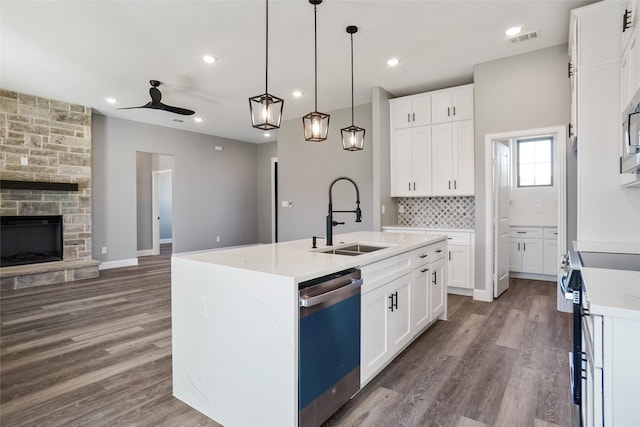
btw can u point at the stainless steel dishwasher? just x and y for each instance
(329, 345)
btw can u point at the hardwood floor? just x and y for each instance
(98, 352)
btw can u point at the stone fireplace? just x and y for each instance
(45, 168)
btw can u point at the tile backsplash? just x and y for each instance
(438, 212)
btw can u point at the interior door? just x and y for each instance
(501, 219)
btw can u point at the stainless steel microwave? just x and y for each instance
(630, 159)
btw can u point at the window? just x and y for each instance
(535, 162)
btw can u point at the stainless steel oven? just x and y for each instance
(329, 345)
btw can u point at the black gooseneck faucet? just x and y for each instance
(330, 222)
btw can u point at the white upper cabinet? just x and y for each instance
(452, 159)
(410, 111)
(410, 161)
(629, 22)
(450, 105)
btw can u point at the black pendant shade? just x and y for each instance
(266, 109)
(352, 136)
(316, 125)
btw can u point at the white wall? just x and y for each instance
(306, 169)
(215, 193)
(525, 91)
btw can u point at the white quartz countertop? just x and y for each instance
(296, 259)
(613, 247)
(613, 292)
(442, 230)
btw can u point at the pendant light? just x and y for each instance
(316, 125)
(266, 109)
(352, 136)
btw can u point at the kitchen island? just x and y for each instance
(235, 318)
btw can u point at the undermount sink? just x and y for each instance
(353, 249)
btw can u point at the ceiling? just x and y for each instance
(85, 51)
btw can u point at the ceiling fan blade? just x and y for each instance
(147, 105)
(177, 110)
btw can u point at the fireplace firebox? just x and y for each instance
(30, 239)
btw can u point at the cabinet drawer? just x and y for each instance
(381, 272)
(421, 256)
(438, 251)
(550, 232)
(535, 232)
(459, 238)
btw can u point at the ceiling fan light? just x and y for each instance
(266, 111)
(352, 138)
(316, 126)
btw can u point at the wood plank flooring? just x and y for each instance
(98, 353)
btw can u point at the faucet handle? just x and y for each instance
(334, 223)
(314, 241)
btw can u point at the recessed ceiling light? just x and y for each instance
(297, 94)
(197, 119)
(393, 62)
(513, 31)
(111, 100)
(267, 134)
(209, 59)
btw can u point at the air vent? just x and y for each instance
(524, 37)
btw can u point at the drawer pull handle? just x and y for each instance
(435, 278)
(424, 270)
(439, 251)
(424, 255)
(521, 232)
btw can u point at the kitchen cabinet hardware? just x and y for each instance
(524, 246)
(518, 246)
(454, 110)
(521, 232)
(449, 255)
(414, 186)
(408, 118)
(439, 251)
(448, 111)
(435, 278)
(627, 17)
(449, 185)
(455, 184)
(569, 70)
(391, 302)
(424, 255)
(414, 116)
(424, 270)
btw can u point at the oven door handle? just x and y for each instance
(319, 299)
(568, 293)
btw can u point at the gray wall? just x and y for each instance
(381, 145)
(306, 169)
(265, 153)
(519, 92)
(215, 193)
(144, 229)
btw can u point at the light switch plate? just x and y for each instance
(24, 161)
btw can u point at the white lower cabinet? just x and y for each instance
(534, 250)
(459, 266)
(398, 308)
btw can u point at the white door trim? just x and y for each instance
(560, 134)
(155, 224)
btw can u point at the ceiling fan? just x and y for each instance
(155, 103)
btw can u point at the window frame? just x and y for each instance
(551, 140)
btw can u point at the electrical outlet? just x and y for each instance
(383, 210)
(284, 204)
(24, 161)
(104, 250)
(400, 208)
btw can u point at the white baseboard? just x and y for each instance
(169, 240)
(145, 252)
(119, 263)
(482, 295)
(460, 291)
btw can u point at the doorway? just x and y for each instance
(274, 200)
(154, 203)
(495, 240)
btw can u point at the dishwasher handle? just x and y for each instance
(319, 299)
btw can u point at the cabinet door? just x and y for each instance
(420, 309)
(515, 255)
(441, 107)
(532, 259)
(400, 110)
(459, 266)
(462, 158)
(551, 257)
(421, 114)
(374, 339)
(462, 104)
(441, 165)
(400, 316)
(437, 288)
(422, 161)
(401, 163)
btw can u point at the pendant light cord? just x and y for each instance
(266, 49)
(352, 116)
(315, 48)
